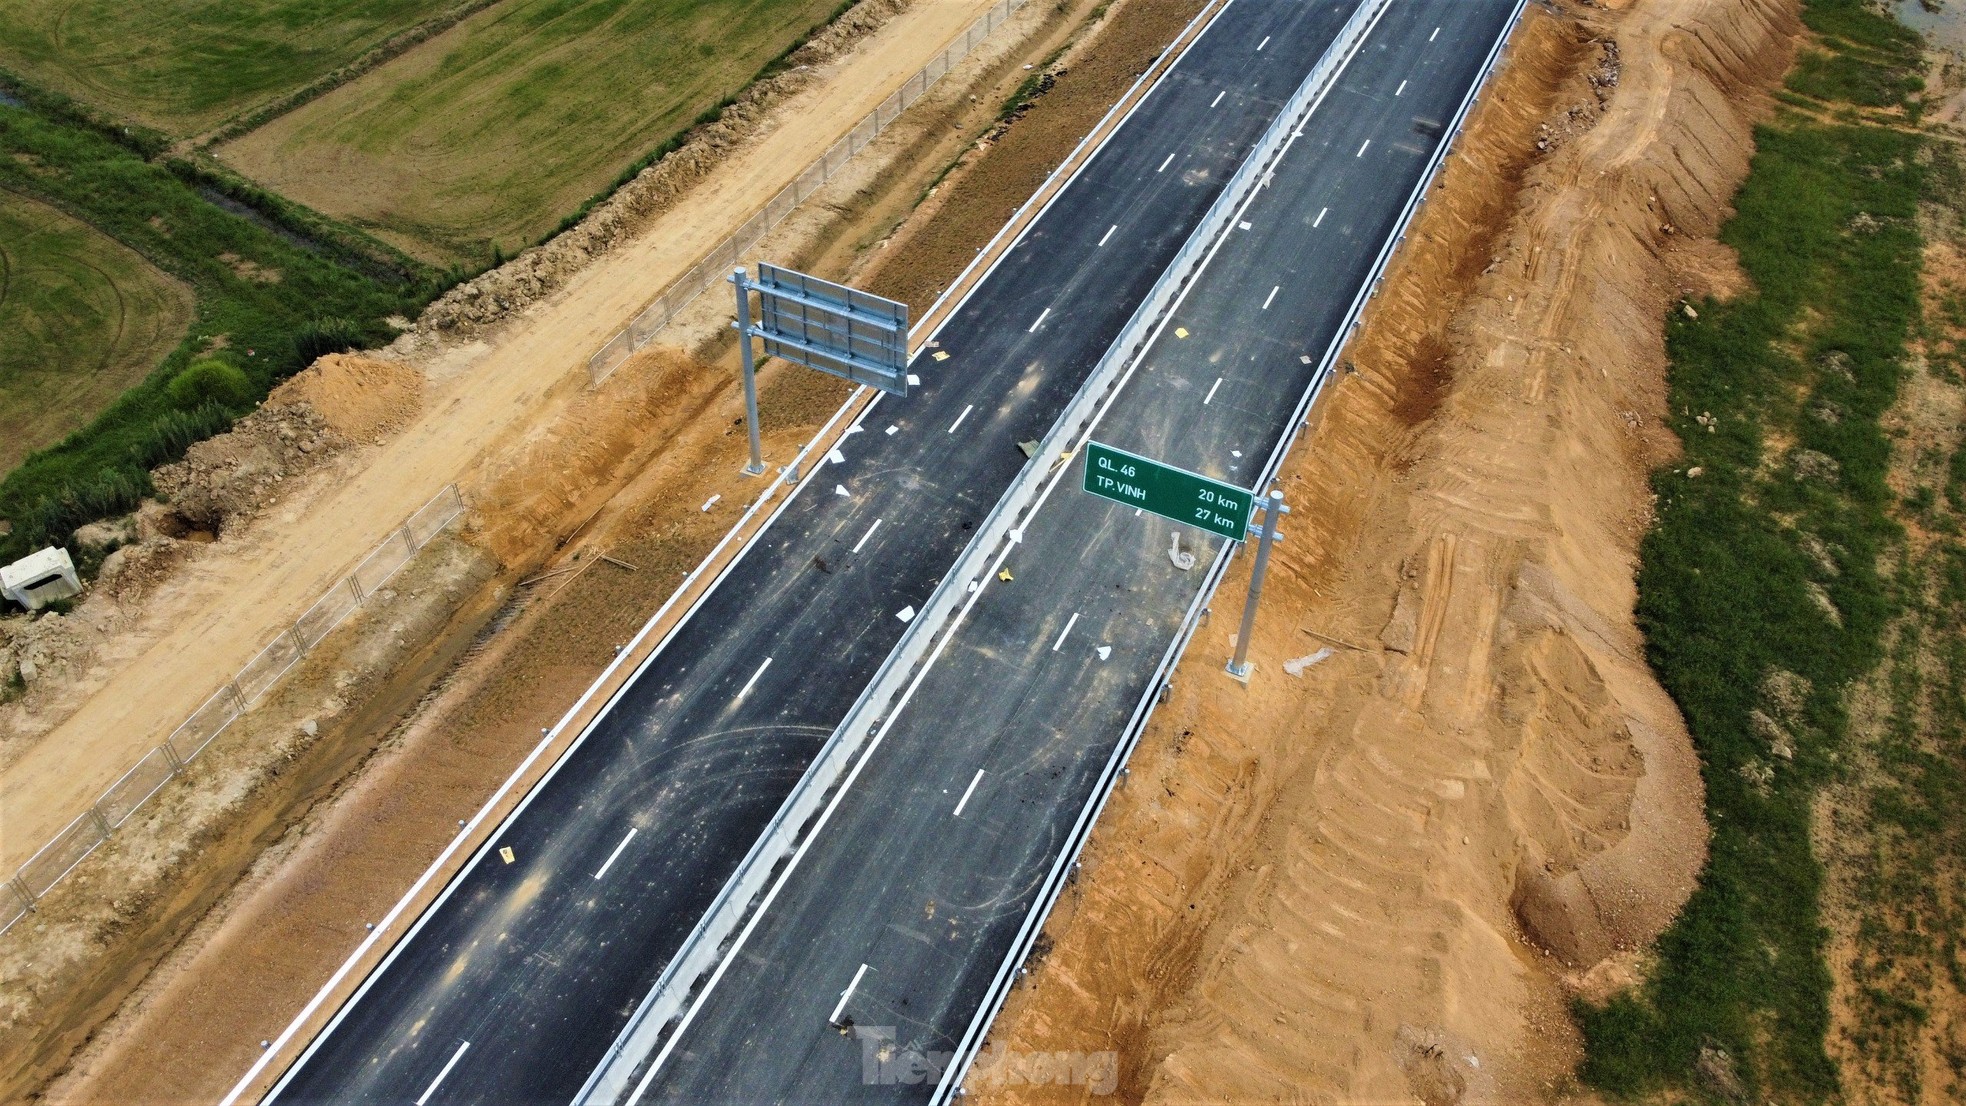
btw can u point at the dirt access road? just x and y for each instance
(481, 397)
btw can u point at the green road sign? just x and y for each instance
(1167, 491)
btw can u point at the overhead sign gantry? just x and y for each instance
(822, 325)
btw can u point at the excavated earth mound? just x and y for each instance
(338, 401)
(1386, 879)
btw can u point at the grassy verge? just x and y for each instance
(1761, 593)
(1898, 846)
(269, 297)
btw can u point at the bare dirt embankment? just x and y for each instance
(346, 823)
(1386, 882)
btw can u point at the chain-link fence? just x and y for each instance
(724, 257)
(135, 787)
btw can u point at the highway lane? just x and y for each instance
(514, 984)
(904, 906)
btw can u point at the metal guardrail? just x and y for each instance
(950, 1085)
(717, 264)
(90, 829)
(653, 1023)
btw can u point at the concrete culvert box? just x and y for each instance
(39, 579)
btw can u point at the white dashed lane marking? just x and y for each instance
(615, 854)
(865, 536)
(971, 790)
(753, 681)
(432, 1088)
(1069, 623)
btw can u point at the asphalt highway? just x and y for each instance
(513, 985)
(874, 957)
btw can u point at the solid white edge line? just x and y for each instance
(961, 417)
(953, 1075)
(758, 913)
(1108, 234)
(949, 633)
(753, 681)
(432, 1088)
(1163, 164)
(308, 1011)
(1271, 298)
(865, 536)
(834, 1017)
(1041, 317)
(1211, 391)
(613, 856)
(1066, 632)
(967, 792)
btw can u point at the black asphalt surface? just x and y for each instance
(537, 963)
(929, 901)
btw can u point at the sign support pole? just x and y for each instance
(1273, 509)
(757, 465)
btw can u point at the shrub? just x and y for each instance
(172, 433)
(212, 381)
(322, 337)
(54, 518)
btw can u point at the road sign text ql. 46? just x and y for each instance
(1167, 491)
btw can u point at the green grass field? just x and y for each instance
(1763, 591)
(268, 299)
(182, 66)
(81, 319)
(490, 133)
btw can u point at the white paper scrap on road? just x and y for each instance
(1297, 667)
(1182, 561)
